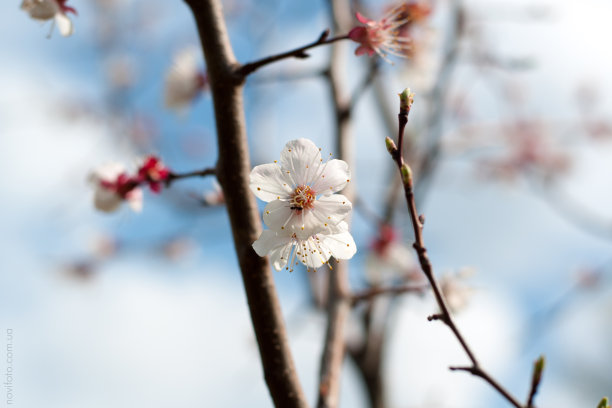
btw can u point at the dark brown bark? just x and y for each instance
(232, 170)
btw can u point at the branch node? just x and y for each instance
(323, 35)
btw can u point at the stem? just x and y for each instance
(419, 246)
(251, 67)
(370, 294)
(198, 173)
(232, 170)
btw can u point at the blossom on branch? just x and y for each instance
(112, 186)
(185, 80)
(300, 190)
(153, 172)
(55, 10)
(286, 248)
(384, 36)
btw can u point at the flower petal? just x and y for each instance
(268, 183)
(106, 200)
(341, 246)
(280, 255)
(300, 158)
(270, 240)
(330, 210)
(277, 215)
(313, 254)
(64, 24)
(134, 199)
(333, 177)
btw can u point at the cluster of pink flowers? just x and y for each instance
(390, 34)
(113, 185)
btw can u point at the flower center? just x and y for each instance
(303, 198)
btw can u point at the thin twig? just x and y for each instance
(198, 173)
(323, 39)
(370, 294)
(419, 246)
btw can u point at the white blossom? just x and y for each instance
(184, 79)
(286, 248)
(300, 190)
(112, 186)
(45, 10)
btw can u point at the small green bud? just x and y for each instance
(406, 100)
(538, 367)
(391, 147)
(406, 174)
(604, 403)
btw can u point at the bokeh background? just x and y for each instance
(134, 310)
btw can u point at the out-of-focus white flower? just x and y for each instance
(300, 190)
(390, 259)
(185, 80)
(456, 292)
(215, 196)
(285, 248)
(56, 10)
(112, 186)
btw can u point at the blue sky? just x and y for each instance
(150, 331)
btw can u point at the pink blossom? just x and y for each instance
(384, 36)
(153, 172)
(112, 186)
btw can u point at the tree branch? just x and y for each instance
(198, 173)
(419, 246)
(339, 304)
(232, 170)
(251, 67)
(370, 294)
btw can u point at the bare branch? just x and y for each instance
(323, 39)
(198, 173)
(419, 246)
(339, 305)
(370, 294)
(232, 170)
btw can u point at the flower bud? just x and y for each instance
(604, 403)
(391, 147)
(406, 100)
(406, 174)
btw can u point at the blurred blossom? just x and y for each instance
(456, 292)
(588, 278)
(177, 248)
(384, 36)
(184, 80)
(120, 71)
(215, 196)
(530, 149)
(112, 186)
(81, 270)
(105, 246)
(413, 13)
(598, 129)
(55, 10)
(153, 172)
(390, 260)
